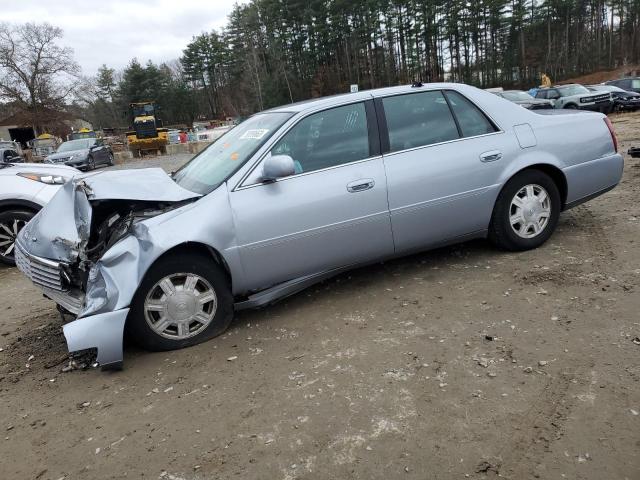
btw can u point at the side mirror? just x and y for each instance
(277, 166)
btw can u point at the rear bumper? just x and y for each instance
(588, 180)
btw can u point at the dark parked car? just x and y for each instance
(9, 155)
(622, 99)
(630, 84)
(525, 100)
(84, 154)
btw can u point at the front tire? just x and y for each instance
(526, 212)
(183, 300)
(11, 222)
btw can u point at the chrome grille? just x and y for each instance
(70, 301)
(43, 272)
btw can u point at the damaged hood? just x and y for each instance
(144, 184)
(62, 228)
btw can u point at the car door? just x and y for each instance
(443, 157)
(100, 152)
(331, 213)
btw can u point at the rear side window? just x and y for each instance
(327, 139)
(471, 120)
(418, 119)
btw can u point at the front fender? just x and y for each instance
(114, 279)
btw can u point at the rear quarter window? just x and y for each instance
(470, 118)
(418, 119)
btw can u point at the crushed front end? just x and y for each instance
(86, 250)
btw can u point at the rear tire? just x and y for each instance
(183, 300)
(11, 222)
(526, 212)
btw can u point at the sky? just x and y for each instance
(112, 32)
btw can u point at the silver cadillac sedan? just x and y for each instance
(296, 194)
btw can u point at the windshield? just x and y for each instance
(517, 96)
(72, 145)
(572, 90)
(141, 110)
(207, 171)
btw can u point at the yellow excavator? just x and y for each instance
(147, 133)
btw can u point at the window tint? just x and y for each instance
(471, 120)
(326, 139)
(418, 119)
(541, 94)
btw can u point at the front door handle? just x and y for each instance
(360, 185)
(491, 156)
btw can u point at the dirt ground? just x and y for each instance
(463, 362)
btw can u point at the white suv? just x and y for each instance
(577, 97)
(24, 189)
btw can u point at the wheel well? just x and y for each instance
(201, 248)
(556, 175)
(19, 205)
(570, 105)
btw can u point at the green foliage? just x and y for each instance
(276, 51)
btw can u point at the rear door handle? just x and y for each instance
(491, 156)
(360, 185)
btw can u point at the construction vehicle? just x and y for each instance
(82, 133)
(146, 133)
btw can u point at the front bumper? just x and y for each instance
(104, 332)
(627, 104)
(604, 107)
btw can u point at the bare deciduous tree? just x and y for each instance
(35, 71)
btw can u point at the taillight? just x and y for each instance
(612, 132)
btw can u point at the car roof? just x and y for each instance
(363, 95)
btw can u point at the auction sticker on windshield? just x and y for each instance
(255, 134)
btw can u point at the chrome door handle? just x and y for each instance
(490, 156)
(360, 185)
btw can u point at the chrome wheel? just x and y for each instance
(8, 233)
(530, 211)
(180, 306)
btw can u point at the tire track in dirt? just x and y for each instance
(539, 427)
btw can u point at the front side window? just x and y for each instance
(326, 139)
(418, 119)
(471, 120)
